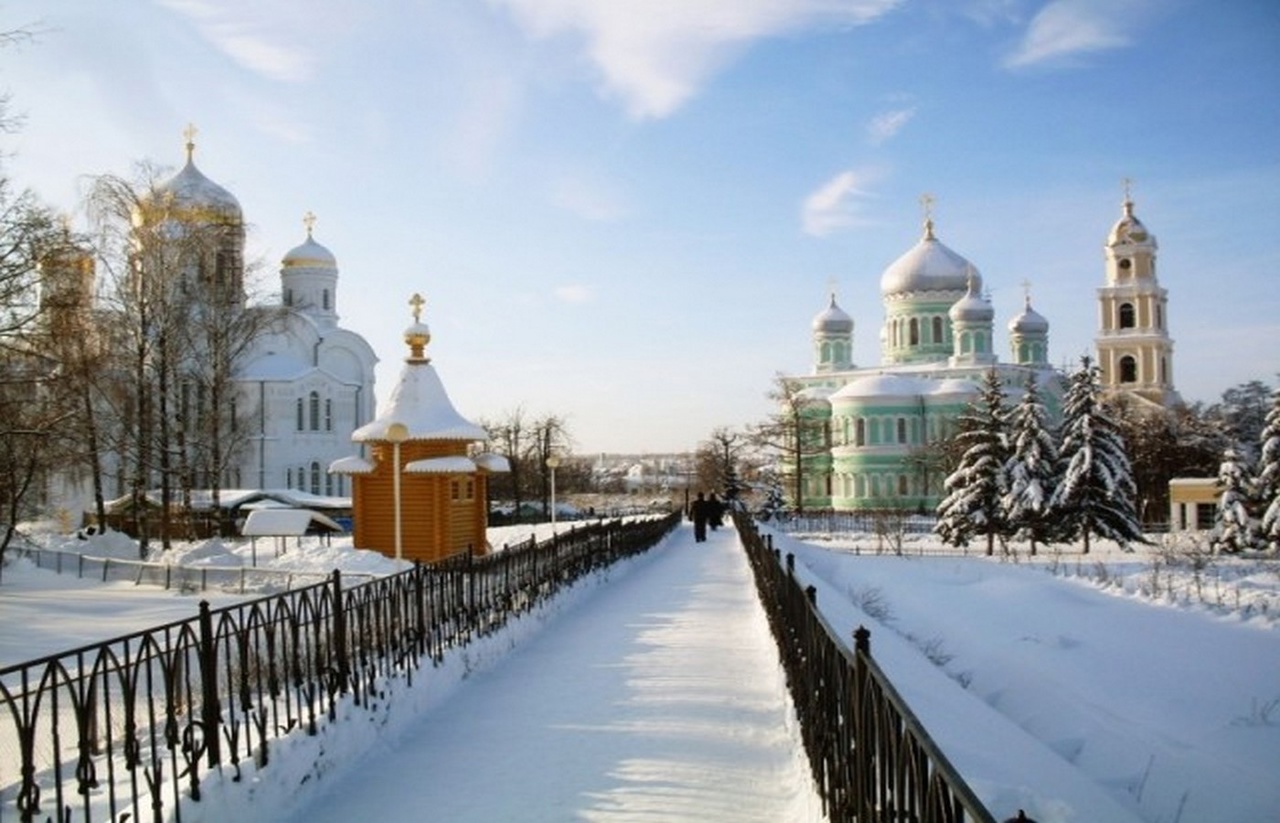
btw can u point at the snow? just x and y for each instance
(1110, 687)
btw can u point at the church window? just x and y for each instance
(875, 485)
(315, 411)
(1159, 316)
(288, 297)
(328, 484)
(902, 485)
(980, 343)
(860, 432)
(328, 414)
(1126, 316)
(326, 299)
(1125, 263)
(299, 414)
(937, 330)
(288, 478)
(914, 331)
(1164, 370)
(875, 432)
(902, 430)
(859, 486)
(315, 477)
(1128, 370)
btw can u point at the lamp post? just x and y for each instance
(552, 463)
(397, 433)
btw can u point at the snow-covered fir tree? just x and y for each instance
(1031, 472)
(1096, 494)
(976, 488)
(1267, 482)
(1233, 529)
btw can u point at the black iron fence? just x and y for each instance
(872, 760)
(125, 729)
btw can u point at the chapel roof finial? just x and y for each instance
(417, 335)
(1128, 195)
(417, 302)
(309, 220)
(926, 203)
(190, 133)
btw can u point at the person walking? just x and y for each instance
(699, 510)
(715, 512)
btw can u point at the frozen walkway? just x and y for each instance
(657, 697)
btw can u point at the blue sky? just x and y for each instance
(627, 213)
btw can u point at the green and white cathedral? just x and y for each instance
(879, 424)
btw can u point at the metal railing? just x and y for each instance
(127, 728)
(871, 758)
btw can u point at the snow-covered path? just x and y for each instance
(658, 697)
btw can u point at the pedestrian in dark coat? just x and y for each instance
(699, 510)
(715, 512)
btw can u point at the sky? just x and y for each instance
(653, 691)
(626, 214)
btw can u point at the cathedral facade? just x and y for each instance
(882, 426)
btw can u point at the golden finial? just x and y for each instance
(309, 220)
(417, 335)
(190, 133)
(926, 203)
(417, 302)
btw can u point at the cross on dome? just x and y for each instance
(190, 133)
(309, 220)
(926, 203)
(417, 302)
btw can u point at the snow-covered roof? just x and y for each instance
(350, 465)
(189, 188)
(493, 462)
(281, 522)
(886, 386)
(441, 465)
(309, 255)
(928, 266)
(421, 404)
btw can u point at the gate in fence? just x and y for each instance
(123, 730)
(871, 758)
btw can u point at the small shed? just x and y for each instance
(282, 524)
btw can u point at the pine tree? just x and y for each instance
(975, 489)
(1267, 483)
(1233, 531)
(1031, 472)
(1096, 494)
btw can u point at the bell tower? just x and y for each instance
(1135, 352)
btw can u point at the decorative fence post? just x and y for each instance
(210, 706)
(340, 633)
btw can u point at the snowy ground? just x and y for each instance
(1108, 688)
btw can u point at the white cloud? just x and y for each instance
(1065, 28)
(239, 31)
(885, 126)
(589, 200)
(837, 204)
(655, 55)
(573, 293)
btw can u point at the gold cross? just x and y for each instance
(190, 133)
(1128, 184)
(831, 287)
(926, 203)
(1026, 292)
(417, 302)
(309, 220)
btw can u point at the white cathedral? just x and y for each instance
(937, 343)
(301, 388)
(308, 382)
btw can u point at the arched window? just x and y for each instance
(326, 299)
(288, 297)
(902, 485)
(1126, 316)
(1159, 316)
(299, 414)
(914, 331)
(315, 477)
(937, 330)
(328, 414)
(860, 432)
(288, 478)
(902, 429)
(1128, 369)
(315, 411)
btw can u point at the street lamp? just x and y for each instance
(552, 463)
(397, 433)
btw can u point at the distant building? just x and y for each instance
(936, 343)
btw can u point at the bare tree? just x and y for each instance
(794, 433)
(549, 435)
